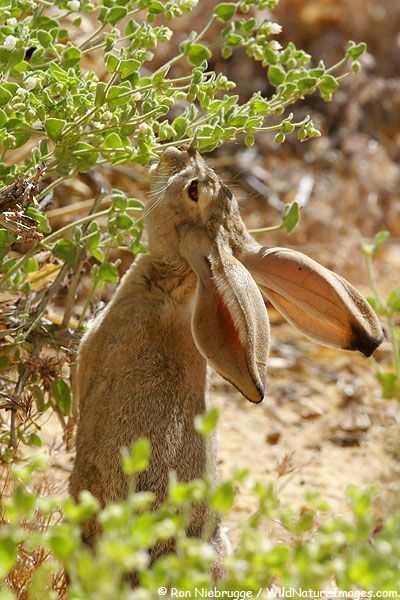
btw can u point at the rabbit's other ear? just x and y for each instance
(323, 305)
(230, 323)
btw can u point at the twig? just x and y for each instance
(45, 300)
(267, 229)
(13, 443)
(71, 209)
(73, 286)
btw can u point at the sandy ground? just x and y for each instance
(324, 414)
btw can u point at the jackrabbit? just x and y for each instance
(196, 299)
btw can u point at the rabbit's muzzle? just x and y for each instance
(174, 159)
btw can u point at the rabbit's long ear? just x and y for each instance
(323, 305)
(230, 322)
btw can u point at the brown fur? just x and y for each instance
(142, 368)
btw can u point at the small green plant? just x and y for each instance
(358, 553)
(389, 309)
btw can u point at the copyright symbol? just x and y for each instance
(162, 591)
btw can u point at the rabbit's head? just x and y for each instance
(193, 218)
(186, 195)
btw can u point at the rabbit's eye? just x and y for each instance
(193, 190)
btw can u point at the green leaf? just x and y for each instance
(34, 440)
(71, 57)
(61, 542)
(127, 67)
(54, 128)
(120, 201)
(66, 250)
(207, 422)
(5, 239)
(112, 140)
(156, 8)
(98, 254)
(111, 63)
(62, 394)
(20, 130)
(307, 83)
(259, 105)
(276, 75)
(58, 73)
(24, 501)
(389, 383)
(31, 265)
(224, 497)
(278, 556)
(44, 23)
(113, 97)
(34, 213)
(8, 555)
(290, 215)
(378, 241)
(305, 521)
(180, 125)
(5, 96)
(115, 14)
(108, 273)
(225, 11)
(124, 221)
(328, 84)
(86, 153)
(3, 118)
(137, 458)
(44, 38)
(196, 53)
(160, 75)
(356, 50)
(393, 301)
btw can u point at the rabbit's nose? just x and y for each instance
(177, 155)
(171, 153)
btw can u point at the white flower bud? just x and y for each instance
(275, 28)
(74, 5)
(274, 45)
(37, 124)
(31, 82)
(10, 42)
(107, 115)
(11, 22)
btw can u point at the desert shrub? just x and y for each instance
(360, 554)
(72, 103)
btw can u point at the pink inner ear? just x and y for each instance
(230, 323)
(227, 323)
(323, 305)
(311, 323)
(229, 332)
(218, 340)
